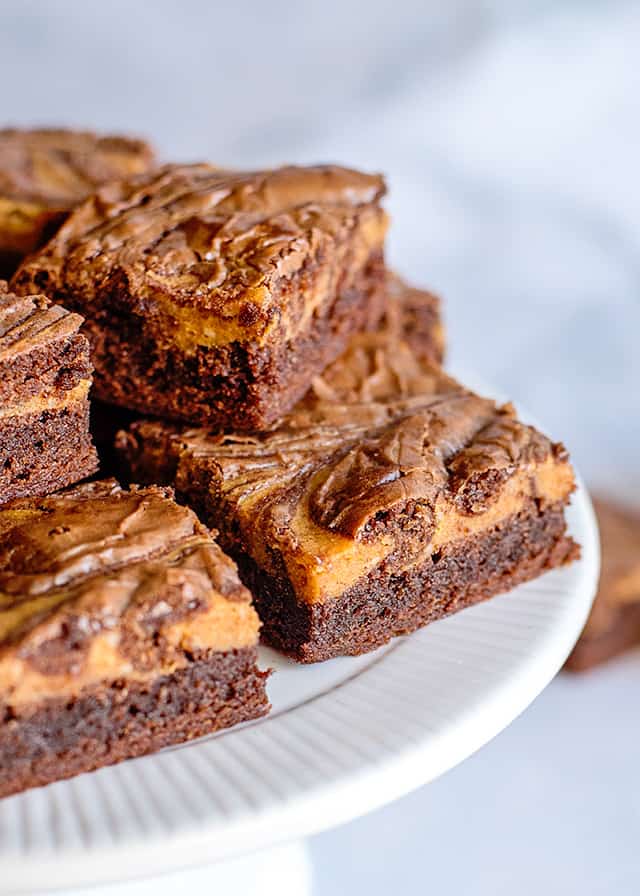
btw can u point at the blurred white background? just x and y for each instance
(510, 134)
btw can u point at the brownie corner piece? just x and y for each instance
(214, 297)
(613, 626)
(391, 496)
(44, 172)
(45, 375)
(123, 629)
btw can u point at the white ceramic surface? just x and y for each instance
(344, 737)
(283, 870)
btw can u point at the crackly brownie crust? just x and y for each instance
(387, 488)
(614, 622)
(215, 296)
(46, 172)
(123, 628)
(45, 374)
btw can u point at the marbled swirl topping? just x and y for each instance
(214, 248)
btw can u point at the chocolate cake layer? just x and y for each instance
(214, 296)
(105, 724)
(46, 172)
(45, 375)
(614, 622)
(43, 452)
(123, 627)
(389, 496)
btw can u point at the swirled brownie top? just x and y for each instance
(58, 168)
(385, 457)
(45, 173)
(97, 582)
(43, 356)
(208, 256)
(27, 321)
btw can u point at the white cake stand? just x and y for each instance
(344, 737)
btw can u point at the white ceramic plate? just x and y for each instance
(344, 737)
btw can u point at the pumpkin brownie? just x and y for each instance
(46, 172)
(389, 497)
(614, 622)
(45, 375)
(216, 296)
(123, 628)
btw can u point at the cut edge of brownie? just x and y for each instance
(44, 452)
(63, 737)
(383, 605)
(231, 386)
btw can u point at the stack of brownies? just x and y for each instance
(293, 460)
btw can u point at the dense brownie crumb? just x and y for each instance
(45, 375)
(388, 603)
(103, 725)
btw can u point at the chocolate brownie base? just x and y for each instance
(385, 604)
(229, 386)
(622, 636)
(43, 452)
(102, 726)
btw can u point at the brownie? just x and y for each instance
(389, 497)
(123, 628)
(45, 172)
(215, 296)
(614, 622)
(45, 375)
(415, 316)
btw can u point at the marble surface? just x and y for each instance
(509, 132)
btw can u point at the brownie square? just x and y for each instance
(614, 622)
(123, 629)
(45, 375)
(46, 172)
(216, 296)
(389, 497)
